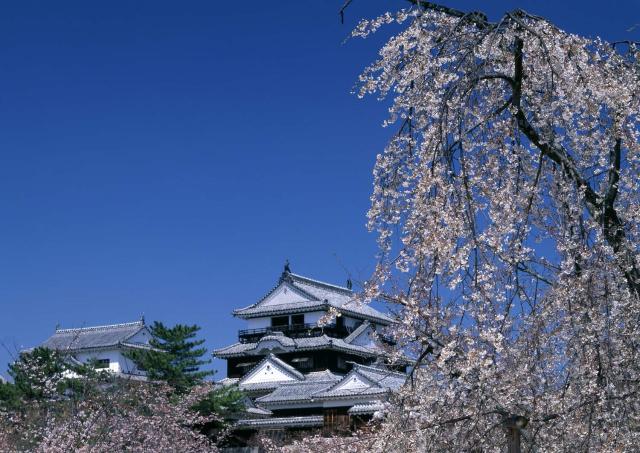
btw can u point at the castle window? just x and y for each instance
(279, 321)
(102, 363)
(303, 363)
(297, 320)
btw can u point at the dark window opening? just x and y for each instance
(340, 322)
(297, 320)
(102, 363)
(280, 321)
(303, 363)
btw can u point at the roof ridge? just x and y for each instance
(103, 327)
(357, 331)
(316, 382)
(379, 370)
(315, 282)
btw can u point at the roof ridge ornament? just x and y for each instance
(286, 273)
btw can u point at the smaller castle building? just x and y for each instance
(104, 346)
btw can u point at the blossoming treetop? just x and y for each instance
(508, 216)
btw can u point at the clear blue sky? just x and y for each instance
(166, 157)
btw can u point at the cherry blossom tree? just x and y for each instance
(131, 416)
(96, 411)
(507, 211)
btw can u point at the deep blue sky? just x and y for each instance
(166, 157)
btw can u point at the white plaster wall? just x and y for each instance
(268, 372)
(313, 317)
(283, 295)
(118, 363)
(258, 323)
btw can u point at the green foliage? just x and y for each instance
(9, 396)
(177, 357)
(227, 402)
(38, 373)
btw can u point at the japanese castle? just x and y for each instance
(299, 373)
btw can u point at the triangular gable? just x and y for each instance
(271, 369)
(353, 381)
(362, 335)
(285, 293)
(141, 336)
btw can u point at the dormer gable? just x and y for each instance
(363, 335)
(271, 369)
(285, 293)
(353, 381)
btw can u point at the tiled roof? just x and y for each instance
(366, 408)
(321, 296)
(297, 344)
(303, 392)
(297, 307)
(325, 375)
(352, 393)
(295, 391)
(381, 376)
(228, 381)
(235, 349)
(254, 410)
(278, 422)
(380, 381)
(258, 412)
(94, 337)
(280, 338)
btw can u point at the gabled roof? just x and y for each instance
(95, 337)
(297, 391)
(313, 295)
(280, 367)
(357, 332)
(382, 376)
(374, 383)
(369, 381)
(253, 410)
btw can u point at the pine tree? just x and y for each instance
(176, 357)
